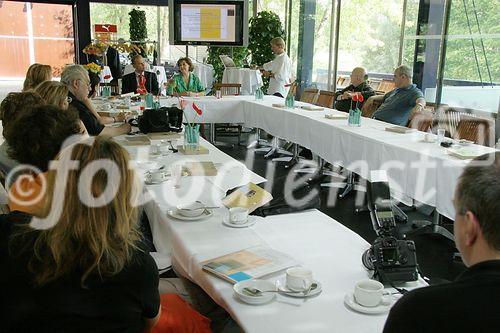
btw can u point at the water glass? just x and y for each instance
(440, 135)
(149, 101)
(191, 137)
(259, 95)
(290, 101)
(354, 118)
(176, 173)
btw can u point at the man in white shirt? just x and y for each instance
(279, 70)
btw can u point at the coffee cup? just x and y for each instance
(299, 278)
(156, 176)
(368, 292)
(238, 215)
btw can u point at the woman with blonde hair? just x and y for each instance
(54, 93)
(37, 73)
(87, 270)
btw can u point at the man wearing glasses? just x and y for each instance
(76, 78)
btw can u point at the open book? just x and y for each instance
(251, 263)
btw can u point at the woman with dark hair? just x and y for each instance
(86, 273)
(12, 107)
(185, 83)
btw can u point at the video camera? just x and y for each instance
(391, 259)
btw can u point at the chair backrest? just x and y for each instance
(475, 129)
(385, 86)
(368, 111)
(325, 98)
(421, 121)
(228, 88)
(463, 124)
(309, 95)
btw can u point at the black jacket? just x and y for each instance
(469, 304)
(129, 83)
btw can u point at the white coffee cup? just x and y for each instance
(238, 215)
(156, 176)
(368, 292)
(299, 278)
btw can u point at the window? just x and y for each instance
(369, 36)
(35, 32)
(472, 64)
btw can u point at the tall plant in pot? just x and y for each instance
(264, 27)
(138, 31)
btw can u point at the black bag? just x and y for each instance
(165, 119)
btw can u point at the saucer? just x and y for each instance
(281, 285)
(175, 215)
(351, 303)
(250, 221)
(254, 299)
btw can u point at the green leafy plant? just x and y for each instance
(138, 29)
(238, 54)
(264, 27)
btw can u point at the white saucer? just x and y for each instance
(383, 307)
(175, 215)
(250, 221)
(281, 285)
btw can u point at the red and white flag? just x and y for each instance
(197, 109)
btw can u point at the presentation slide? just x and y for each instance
(204, 23)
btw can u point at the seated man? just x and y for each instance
(358, 84)
(398, 105)
(471, 302)
(76, 78)
(140, 81)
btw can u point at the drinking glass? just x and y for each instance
(440, 135)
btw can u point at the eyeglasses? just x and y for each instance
(69, 100)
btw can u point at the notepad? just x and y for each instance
(200, 169)
(400, 129)
(192, 151)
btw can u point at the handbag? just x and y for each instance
(164, 119)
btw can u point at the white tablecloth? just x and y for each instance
(416, 170)
(249, 79)
(205, 72)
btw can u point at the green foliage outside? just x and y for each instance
(239, 54)
(263, 28)
(138, 29)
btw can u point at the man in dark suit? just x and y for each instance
(470, 303)
(140, 81)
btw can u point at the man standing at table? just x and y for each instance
(471, 302)
(358, 84)
(279, 70)
(400, 104)
(140, 81)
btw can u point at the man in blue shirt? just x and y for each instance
(399, 105)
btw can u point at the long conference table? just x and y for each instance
(332, 251)
(418, 172)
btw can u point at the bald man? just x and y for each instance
(358, 84)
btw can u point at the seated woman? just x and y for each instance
(12, 107)
(86, 273)
(37, 73)
(185, 83)
(76, 78)
(56, 94)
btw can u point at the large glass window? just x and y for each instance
(472, 65)
(34, 32)
(369, 36)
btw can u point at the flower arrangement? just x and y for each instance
(357, 97)
(98, 48)
(93, 67)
